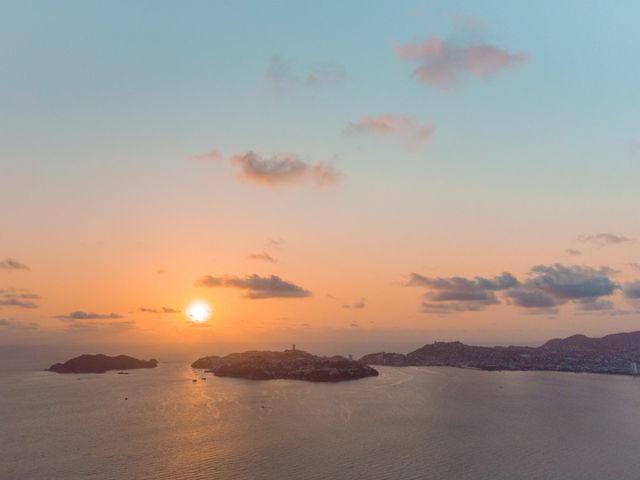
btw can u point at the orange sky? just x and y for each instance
(455, 150)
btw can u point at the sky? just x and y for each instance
(340, 175)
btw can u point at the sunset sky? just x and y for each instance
(382, 173)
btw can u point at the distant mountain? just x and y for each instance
(616, 341)
(101, 364)
(290, 364)
(617, 353)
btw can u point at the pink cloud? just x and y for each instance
(442, 65)
(210, 156)
(407, 128)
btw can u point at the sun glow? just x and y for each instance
(199, 312)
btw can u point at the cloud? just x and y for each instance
(573, 252)
(325, 75)
(527, 297)
(457, 294)
(555, 285)
(281, 169)
(16, 325)
(572, 282)
(631, 290)
(161, 271)
(357, 305)
(158, 310)
(93, 325)
(197, 325)
(18, 297)
(545, 288)
(275, 242)
(594, 304)
(603, 239)
(407, 128)
(80, 315)
(277, 72)
(281, 78)
(453, 307)
(469, 24)
(210, 156)
(256, 287)
(12, 264)
(442, 64)
(634, 265)
(262, 257)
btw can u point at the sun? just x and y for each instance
(199, 312)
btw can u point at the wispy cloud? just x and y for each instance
(256, 287)
(158, 310)
(80, 321)
(283, 169)
(468, 24)
(451, 307)
(573, 252)
(275, 242)
(210, 156)
(325, 75)
(442, 64)
(18, 297)
(262, 257)
(83, 326)
(17, 325)
(80, 315)
(603, 239)
(12, 264)
(281, 78)
(357, 305)
(278, 75)
(590, 304)
(631, 290)
(406, 128)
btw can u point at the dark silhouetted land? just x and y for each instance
(101, 364)
(290, 364)
(617, 354)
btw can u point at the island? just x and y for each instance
(617, 353)
(289, 364)
(101, 364)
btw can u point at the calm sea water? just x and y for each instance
(408, 423)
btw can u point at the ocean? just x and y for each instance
(408, 423)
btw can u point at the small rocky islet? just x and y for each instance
(101, 364)
(289, 364)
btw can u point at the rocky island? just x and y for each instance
(290, 364)
(101, 364)
(616, 354)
